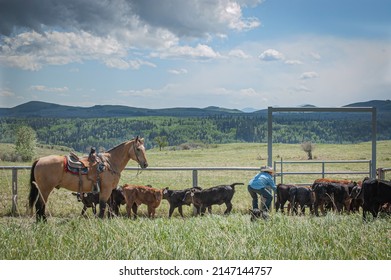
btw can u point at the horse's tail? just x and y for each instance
(33, 187)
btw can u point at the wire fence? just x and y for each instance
(284, 170)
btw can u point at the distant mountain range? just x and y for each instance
(51, 110)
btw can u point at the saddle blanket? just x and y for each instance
(74, 170)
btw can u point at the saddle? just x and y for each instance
(90, 166)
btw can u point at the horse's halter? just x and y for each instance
(135, 152)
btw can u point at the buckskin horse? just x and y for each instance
(51, 172)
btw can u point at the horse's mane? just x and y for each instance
(119, 145)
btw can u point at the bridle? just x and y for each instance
(135, 152)
(137, 158)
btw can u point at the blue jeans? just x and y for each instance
(263, 193)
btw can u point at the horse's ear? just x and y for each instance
(137, 138)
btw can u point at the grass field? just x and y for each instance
(68, 236)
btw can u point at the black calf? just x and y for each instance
(207, 197)
(176, 198)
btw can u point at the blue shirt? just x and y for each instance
(262, 180)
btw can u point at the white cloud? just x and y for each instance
(293, 62)
(178, 71)
(309, 75)
(48, 89)
(315, 55)
(32, 50)
(201, 51)
(6, 92)
(77, 31)
(238, 53)
(271, 55)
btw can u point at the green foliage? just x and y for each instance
(81, 134)
(161, 141)
(25, 144)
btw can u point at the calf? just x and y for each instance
(303, 196)
(90, 200)
(333, 192)
(376, 193)
(115, 201)
(137, 195)
(202, 199)
(282, 197)
(323, 195)
(342, 197)
(176, 199)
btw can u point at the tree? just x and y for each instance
(25, 144)
(308, 147)
(161, 141)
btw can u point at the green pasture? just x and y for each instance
(66, 235)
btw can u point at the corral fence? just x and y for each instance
(381, 173)
(279, 166)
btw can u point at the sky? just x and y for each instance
(195, 53)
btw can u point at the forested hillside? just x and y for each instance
(80, 134)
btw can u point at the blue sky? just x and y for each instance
(175, 53)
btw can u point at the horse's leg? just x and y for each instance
(36, 197)
(102, 208)
(40, 208)
(104, 196)
(40, 205)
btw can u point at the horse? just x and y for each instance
(50, 172)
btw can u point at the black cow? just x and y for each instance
(303, 196)
(376, 193)
(337, 195)
(207, 197)
(323, 196)
(282, 197)
(176, 199)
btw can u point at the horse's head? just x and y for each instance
(137, 153)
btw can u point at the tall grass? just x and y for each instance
(210, 237)
(66, 235)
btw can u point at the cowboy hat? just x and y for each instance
(267, 169)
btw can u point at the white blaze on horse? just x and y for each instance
(51, 172)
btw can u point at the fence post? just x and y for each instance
(322, 169)
(14, 191)
(195, 178)
(380, 174)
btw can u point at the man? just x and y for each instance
(261, 184)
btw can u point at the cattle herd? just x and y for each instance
(371, 195)
(341, 196)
